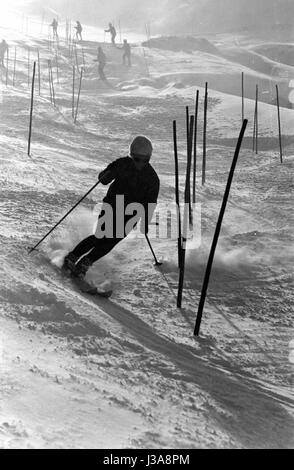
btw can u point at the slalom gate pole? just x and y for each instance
(254, 127)
(52, 84)
(76, 57)
(39, 73)
(218, 229)
(14, 67)
(57, 68)
(186, 217)
(279, 123)
(204, 136)
(79, 93)
(188, 150)
(242, 86)
(7, 66)
(256, 138)
(157, 263)
(195, 146)
(29, 67)
(49, 81)
(83, 55)
(64, 217)
(31, 111)
(73, 92)
(177, 192)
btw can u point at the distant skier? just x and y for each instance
(112, 31)
(134, 180)
(127, 52)
(3, 50)
(79, 30)
(54, 25)
(101, 58)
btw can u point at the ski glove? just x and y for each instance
(105, 177)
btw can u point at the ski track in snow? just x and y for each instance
(127, 372)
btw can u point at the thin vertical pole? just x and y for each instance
(39, 73)
(14, 67)
(177, 192)
(57, 68)
(279, 123)
(52, 84)
(195, 146)
(78, 100)
(218, 229)
(31, 111)
(242, 96)
(188, 147)
(186, 216)
(76, 56)
(73, 91)
(29, 66)
(83, 54)
(49, 81)
(256, 127)
(7, 65)
(119, 31)
(204, 136)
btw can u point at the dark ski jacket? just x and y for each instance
(136, 186)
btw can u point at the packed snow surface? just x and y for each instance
(84, 372)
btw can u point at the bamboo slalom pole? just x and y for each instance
(186, 217)
(49, 81)
(7, 65)
(255, 125)
(39, 73)
(242, 86)
(57, 67)
(188, 150)
(177, 192)
(73, 91)
(14, 68)
(195, 146)
(78, 99)
(52, 84)
(76, 57)
(217, 230)
(279, 124)
(204, 136)
(256, 141)
(83, 55)
(29, 53)
(31, 110)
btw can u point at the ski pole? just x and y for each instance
(157, 263)
(61, 220)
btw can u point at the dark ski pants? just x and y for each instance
(95, 248)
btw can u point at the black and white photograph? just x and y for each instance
(146, 227)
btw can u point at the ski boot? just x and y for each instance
(69, 263)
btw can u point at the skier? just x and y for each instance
(134, 180)
(127, 52)
(79, 29)
(101, 58)
(54, 25)
(3, 49)
(112, 31)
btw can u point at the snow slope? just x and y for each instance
(84, 372)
